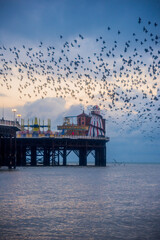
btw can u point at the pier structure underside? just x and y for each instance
(8, 145)
(55, 151)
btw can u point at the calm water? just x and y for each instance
(116, 202)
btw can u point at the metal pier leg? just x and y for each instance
(33, 156)
(46, 157)
(1, 151)
(58, 156)
(6, 145)
(100, 156)
(23, 155)
(97, 157)
(10, 156)
(105, 156)
(82, 157)
(64, 157)
(53, 157)
(15, 152)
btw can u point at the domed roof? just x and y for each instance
(96, 110)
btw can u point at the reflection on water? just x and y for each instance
(46, 203)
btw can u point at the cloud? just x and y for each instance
(49, 108)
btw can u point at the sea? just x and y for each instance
(119, 201)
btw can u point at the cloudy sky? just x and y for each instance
(59, 57)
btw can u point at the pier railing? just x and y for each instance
(82, 137)
(67, 137)
(9, 123)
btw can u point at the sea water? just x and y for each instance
(113, 202)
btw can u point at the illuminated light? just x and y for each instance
(14, 110)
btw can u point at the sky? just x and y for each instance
(58, 58)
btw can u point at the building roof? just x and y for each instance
(83, 115)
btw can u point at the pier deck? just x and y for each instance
(28, 151)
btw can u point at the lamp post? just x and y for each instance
(14, 110)
(19, 116)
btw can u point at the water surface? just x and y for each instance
(114, 202)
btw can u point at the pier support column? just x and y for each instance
(64, 157)
(53, 157)
(21, 155)
(104, 156)
(10, 145)
(33, 156)
(100, 156)
(18, 156)
(10, 157)
(5, 152)
(46, 157)
(82, 157)
(2, 151)
(58, 156)
(97, 157)
(1, 154)
(15, 152)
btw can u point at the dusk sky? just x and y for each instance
(59, 57)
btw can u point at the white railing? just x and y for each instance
(9, 123)
(80, 137)
(66, 136)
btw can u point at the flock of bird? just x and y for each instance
(122, 77)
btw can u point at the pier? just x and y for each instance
(53, 151)
(48, 151)
(79, 136)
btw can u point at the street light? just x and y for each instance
(14, 110)
(19, 116)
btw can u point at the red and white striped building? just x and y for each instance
(97, 123)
